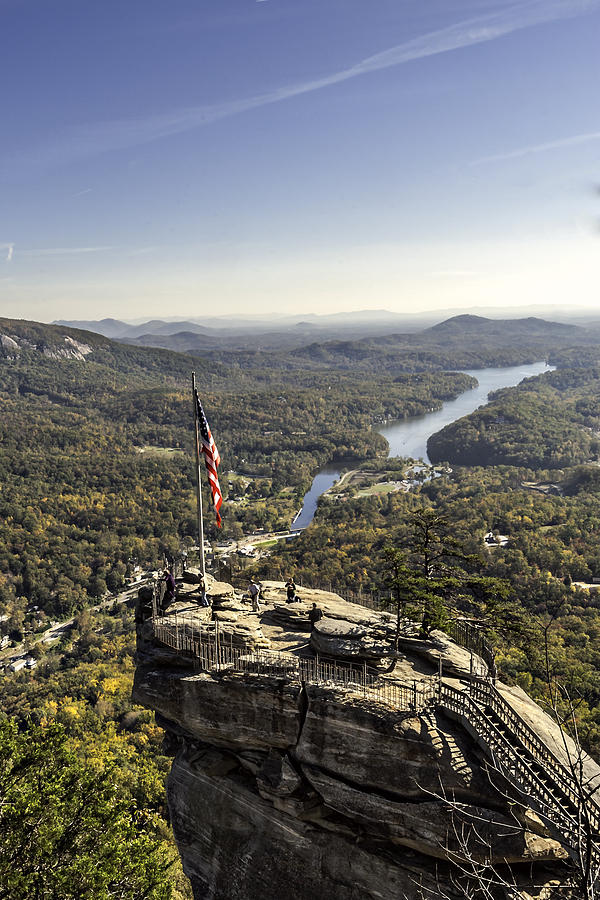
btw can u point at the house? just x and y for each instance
(16, 665)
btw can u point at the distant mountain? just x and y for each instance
(355, 324)
(181, 342)
(469, 325)
(35, 342)
(160, 327)
(260, 334)
(110, 328)
(113, 328)
(461, 342)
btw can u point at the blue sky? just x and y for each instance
(177, 158)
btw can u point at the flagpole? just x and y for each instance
(198, 481)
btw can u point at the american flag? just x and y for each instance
(211, 458)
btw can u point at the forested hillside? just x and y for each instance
(463, 342)
(548, 422)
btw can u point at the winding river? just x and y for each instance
(408, 437)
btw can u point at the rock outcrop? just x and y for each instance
(285, 788)
(69, 348)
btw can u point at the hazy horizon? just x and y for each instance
(541, 311)
(275, 156)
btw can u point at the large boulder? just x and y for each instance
(286, 787)
(456, 661)
(349, 640)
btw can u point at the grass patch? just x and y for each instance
(386, 487)
(150, 450)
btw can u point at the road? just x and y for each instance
(56, 631)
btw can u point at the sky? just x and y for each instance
(220, 157)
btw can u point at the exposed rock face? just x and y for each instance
(284, 788)
(11, 346)
(73, 350)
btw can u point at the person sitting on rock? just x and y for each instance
(254, 591)
(291, 590)
(314, 616)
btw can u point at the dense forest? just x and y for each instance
(82, 774)
(96, 456)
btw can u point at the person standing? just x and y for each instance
(203, 595)
(254, 591)
(169, 594)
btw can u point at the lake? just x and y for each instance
(408, 437)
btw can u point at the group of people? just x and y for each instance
(255, 587)
(254, 592)
(171, 589)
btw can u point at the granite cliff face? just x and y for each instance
(285, 788)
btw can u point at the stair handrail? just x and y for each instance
(489, 694)
(459, 701)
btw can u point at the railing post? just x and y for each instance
(414, 688)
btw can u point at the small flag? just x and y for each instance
(211, 458)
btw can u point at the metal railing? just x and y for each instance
(486, 696)
(557, 793)
(214, 651)
(462, 633)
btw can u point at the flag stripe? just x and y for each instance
(211, 459)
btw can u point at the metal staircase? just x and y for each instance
(559, 793)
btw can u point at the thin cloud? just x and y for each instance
(144, 251)
(10, 250)
(103, 137)
(532, 149)
(64, 251)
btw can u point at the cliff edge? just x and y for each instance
(346, 776)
